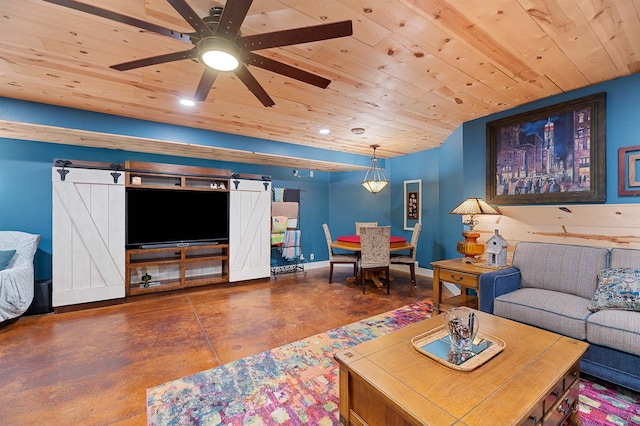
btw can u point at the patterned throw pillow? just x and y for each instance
(618, 288)
(5, 258)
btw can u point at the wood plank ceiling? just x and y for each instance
(412, 72)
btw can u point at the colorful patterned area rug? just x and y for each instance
(294, 384)
(602, 403)
(297, 384)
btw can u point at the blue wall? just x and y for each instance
(453, 184)
(426, 166)
(449, 174)
(350, 202)
(460, 165)
(30, 112)
(25, 169)
(623, 128)
(26, 194)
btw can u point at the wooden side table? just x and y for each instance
(461, 273)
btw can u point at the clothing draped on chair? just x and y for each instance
(374, 254)
(365, 225)
(410, 259)
(338, 258)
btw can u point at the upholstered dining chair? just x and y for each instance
(338, 258)
(374, 252)
(410, 259)
(365, 225)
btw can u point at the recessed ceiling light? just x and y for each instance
(324, 131)
(187, 102)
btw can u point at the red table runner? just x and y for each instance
(356, 239)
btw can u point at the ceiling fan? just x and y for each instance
(219, 45)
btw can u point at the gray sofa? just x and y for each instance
(552, 286)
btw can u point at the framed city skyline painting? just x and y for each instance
(552, 155)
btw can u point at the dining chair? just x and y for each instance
(410, 259)
(365, 225)
(338, 258)
(374, 252)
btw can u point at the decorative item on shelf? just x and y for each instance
(375, 180)
(136, 180)
(214, 185)
(145, 280)
(470, 247)
(462, 325)
(497, 250)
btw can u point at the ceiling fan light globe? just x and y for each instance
(219, 60)
(219, 54)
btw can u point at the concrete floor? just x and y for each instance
(92, 367)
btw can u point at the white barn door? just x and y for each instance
(88, 236)
(249, 230)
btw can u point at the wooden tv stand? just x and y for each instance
(172, 268)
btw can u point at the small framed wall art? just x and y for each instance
(629, 171)
(412, 203)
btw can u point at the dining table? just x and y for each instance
(352, 243)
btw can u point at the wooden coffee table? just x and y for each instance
(386, 381)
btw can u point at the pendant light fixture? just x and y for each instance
(375, 180)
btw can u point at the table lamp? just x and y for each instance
(470, 247)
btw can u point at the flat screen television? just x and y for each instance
(167, 218)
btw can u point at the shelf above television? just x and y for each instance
(170, 176)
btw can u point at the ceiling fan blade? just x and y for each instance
(114, 16)
(252, 84)
(154, 60)
(191, 17)
(295, 36)
(232, 17)
(283, 69)
(206, 82)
